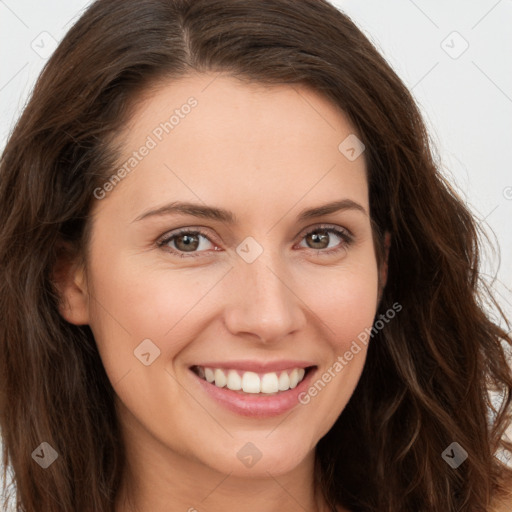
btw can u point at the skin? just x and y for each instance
(264, 153)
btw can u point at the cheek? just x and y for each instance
(344, 303)
(131, 303)
(344, 299)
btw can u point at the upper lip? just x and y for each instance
(256, 366)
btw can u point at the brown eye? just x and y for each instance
(184, 241)
(320, 238)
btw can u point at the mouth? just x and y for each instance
(251, 389)
(253, 383)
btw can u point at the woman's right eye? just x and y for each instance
(186, 241)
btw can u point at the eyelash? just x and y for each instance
(342, 233)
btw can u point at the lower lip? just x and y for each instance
(256, 405)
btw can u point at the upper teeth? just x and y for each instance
(251, 382)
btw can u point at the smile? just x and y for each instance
(252, 389)
(252, 382)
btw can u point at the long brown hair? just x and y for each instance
(427, 375)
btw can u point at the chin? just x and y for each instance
(259, 457)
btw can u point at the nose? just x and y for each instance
(264, 302)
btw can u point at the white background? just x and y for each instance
(466, 97)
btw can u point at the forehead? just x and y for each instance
(212, 137)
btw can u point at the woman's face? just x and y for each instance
(255, 296)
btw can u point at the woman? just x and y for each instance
(233, 278)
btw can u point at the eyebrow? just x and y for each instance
(220, 214)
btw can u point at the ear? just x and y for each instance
(70, 280)
(383, 270)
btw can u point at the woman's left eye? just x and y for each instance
(189, 241)
(320, 235)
